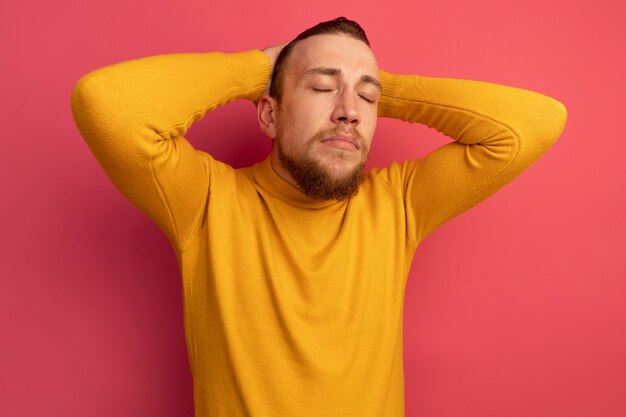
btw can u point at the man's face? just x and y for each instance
(327, 115)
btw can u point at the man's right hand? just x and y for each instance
(272, 53)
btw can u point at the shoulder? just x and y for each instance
(395, 176)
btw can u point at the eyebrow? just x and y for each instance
(335, 72)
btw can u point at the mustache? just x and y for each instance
(339, 131)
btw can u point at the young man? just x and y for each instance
(294, 269)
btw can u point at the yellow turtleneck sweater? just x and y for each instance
(293, 307)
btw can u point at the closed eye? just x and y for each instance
(326, 90)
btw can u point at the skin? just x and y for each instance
(329, 116)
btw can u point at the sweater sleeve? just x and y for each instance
(498, 132)
(133, 116)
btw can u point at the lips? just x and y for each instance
(342, 141)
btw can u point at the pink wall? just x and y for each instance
(515, 308)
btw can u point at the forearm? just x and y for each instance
(473, 112)
(166, 93)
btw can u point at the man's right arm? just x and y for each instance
(133, 116)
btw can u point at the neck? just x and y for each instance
(281, 171)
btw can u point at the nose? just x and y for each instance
(346, 111)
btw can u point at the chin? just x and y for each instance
(342, 165)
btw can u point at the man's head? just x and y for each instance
(340, 25)
(322, 109)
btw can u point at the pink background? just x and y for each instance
(514, 308)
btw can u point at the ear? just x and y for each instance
(266, 115)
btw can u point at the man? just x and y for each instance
(294, 269)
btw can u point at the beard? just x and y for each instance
(315, 180)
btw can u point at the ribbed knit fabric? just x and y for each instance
(293, 307)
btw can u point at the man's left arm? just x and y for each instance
(498, 130)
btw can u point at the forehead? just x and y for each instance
(350, 55)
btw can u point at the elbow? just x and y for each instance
(556, 118)
(545, 128)
(79, 94)
(79, 104)
(560, 116)
(87, 97)
(80, 91)
(88, 87)
(85, 105)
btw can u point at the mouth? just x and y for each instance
(342, 142)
